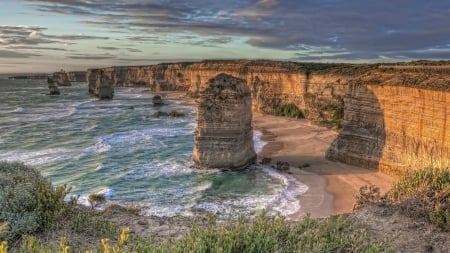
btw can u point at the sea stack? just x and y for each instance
(224, 135)
(101, 86)
(61, 78)
(53, 89)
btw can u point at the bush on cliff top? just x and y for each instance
(263, 234)
(422, 193)
(28, 202)
(431, 187)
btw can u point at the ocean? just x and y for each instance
(117, 148)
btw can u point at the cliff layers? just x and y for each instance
(316, 89)
(396, 119)
(99, 84)
(224, 135)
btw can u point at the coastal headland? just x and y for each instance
(375, 119)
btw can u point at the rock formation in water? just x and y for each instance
(77, 76)
(224, 135)
(393, 116)
(52, 87)
(61, 78)
(102, 86)
(157, 100)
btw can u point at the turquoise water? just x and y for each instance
(115, 147)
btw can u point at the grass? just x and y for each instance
(420, 194)
(430, 188)
(262, 234)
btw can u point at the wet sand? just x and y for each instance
(332, 186)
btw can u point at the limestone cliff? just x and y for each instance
(396, 119)
(99, 84)
(61, 78)
(317, 89)
(224, 135)
(76, 76)
(393, 116)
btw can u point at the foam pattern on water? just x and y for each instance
(115, 147)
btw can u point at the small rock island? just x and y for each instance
(224, 135)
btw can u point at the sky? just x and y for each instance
(47, 35)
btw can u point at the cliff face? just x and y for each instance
(77, 76)
(393, 116)
(224, 135)
(100, 84)
(316, 89)
(396, 120)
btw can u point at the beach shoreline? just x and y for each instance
(332, 186)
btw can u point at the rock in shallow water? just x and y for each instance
(224, 136)
(53, 89)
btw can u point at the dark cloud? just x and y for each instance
(92, 56)
(34, 35)
(37, 48)
(14, 54)
(345, 29)
(108, 48)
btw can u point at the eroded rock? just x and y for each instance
(224, 136)
(157, 100)
(52, 87)
(99, 84)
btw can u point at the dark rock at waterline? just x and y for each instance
(283, 166)
(266, 160)
(52, 87)
(157, 100)
(160, 114)
(173, 113)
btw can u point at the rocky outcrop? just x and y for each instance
(224, 135)
(316, 89)
(99, 84)
(77, 76)
(157, 100)
(396, 119)
(61, 78)
(52, 87)
(385, 123)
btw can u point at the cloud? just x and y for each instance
(345, 29)
(108, 48)
(37, 48)
(132, 50)
(92, 56)
(13, 54)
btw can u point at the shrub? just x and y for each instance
(368, 194)
(289, 110)
(28, 202)
(96, 199)
(431, 188)
(263, 234)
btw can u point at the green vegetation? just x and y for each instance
(263, 234)
(422, 193)
(426, 192)
(289, 110)
(28, 202)
(96, 199)
(30, 205)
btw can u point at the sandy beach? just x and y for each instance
(332, 186)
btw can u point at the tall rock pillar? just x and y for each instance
(224, 136)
